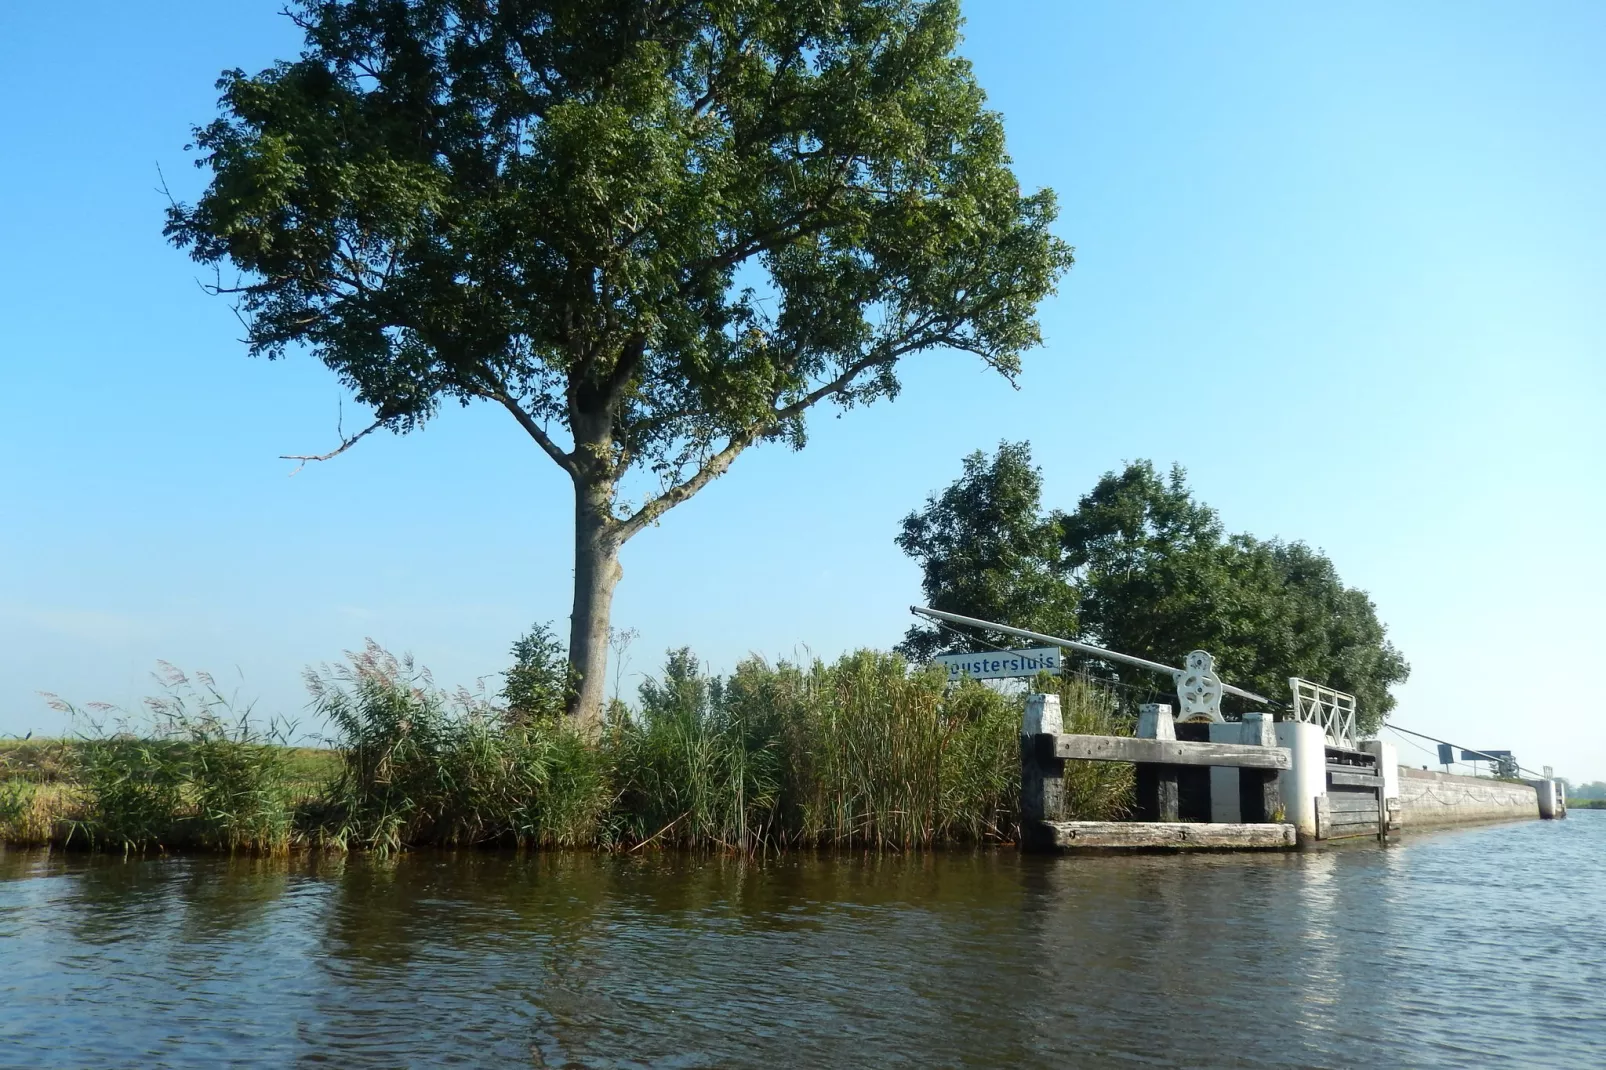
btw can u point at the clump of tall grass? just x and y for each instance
(1096, 791)
(863, 752)
(893, 758)
(692, 768)
(193, 770)
(17, 808)
(418, 765)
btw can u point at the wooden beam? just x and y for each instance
(1168, 836)
(1169, 752)
(1157, 796)
(1259, 795)
(1353, 780)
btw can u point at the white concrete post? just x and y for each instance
(1042, 716)
(1388, 763)
(1306, 779)
(1042, 775)
(1155, 721)
(1548, 806)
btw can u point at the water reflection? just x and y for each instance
(1432, 953)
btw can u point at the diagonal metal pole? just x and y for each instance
(1071, 644)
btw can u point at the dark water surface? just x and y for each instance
(1478, 947)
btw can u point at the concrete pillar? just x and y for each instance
(1388, 763)
(1042, 715)
(1306, 780)
(1155, 721)
(1549, 804)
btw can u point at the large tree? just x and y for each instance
(655, 232)
(1142, 567)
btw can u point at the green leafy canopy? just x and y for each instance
(655, 232)
(1142, 567)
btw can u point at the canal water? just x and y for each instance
(1471, 948)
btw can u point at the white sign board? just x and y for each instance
(1001, 664)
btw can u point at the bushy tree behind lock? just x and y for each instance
(1141, 567)
(986, 551)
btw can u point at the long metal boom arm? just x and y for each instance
(1071, 644)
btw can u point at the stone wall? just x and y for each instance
(1428, 798)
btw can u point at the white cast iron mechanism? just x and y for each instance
(1199, 689)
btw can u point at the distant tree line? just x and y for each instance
(1142, 567)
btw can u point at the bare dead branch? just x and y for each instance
(345, 444)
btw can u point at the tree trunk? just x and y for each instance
(596, 573)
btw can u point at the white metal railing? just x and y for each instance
(1333, 710)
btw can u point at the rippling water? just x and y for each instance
(1473, 948)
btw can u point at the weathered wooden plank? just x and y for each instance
(1169, 835)
(1336, 778)
(1362, 819)
(1339, 802)
(1367, 830)
(1169, 752)
(1042, 796)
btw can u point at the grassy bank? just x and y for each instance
(860, 753)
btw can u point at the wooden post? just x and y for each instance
(1042, 772)
(1157, 796)
(1157, 792)
(1382, 811)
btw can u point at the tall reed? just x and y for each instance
(867, 751)
(420, 766)
(191, 770)
(1096, 791)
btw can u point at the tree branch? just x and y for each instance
(345, 444)
(711, 470)
(716, 466)
(564, 461)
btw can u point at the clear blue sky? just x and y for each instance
(1341, 261)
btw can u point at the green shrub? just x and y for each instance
(540, 681)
